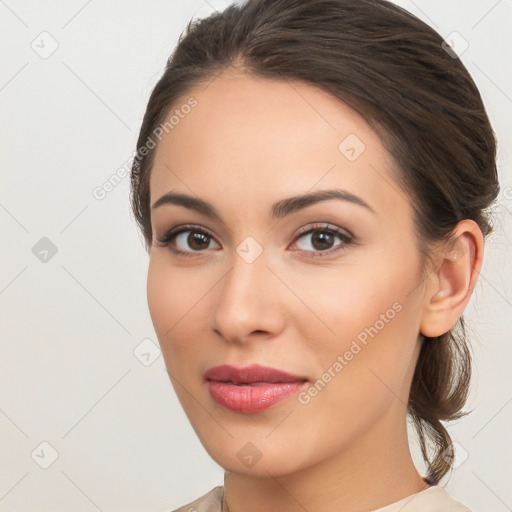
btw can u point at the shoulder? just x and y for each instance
(209, 502)
(433, 499)
(439, 497)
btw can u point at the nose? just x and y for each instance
(248, 303)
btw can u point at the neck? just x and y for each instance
(370, 474)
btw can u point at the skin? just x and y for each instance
(248, 143)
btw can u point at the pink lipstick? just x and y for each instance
(252, 388)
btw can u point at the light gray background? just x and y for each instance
(69, 376)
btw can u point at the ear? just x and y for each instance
(453, 279)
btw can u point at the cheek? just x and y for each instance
(365, 313)
(174, 301)
(345, 300)
(372, 349)
(162, 301)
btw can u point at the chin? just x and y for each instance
(255, 459)
(261, 468)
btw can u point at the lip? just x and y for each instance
(252, 388)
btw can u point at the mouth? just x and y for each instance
(252, 388)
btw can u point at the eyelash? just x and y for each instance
(346, 239)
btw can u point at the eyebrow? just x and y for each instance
(279, 210)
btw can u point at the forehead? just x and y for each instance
(255, 135)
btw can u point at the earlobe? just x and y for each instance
(453, 280)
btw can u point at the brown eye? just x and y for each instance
(188, 240)
(197, 241)
(322, 240)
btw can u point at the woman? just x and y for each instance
(312, 181)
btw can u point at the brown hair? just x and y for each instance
(394, 70)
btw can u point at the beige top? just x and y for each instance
(433, 499)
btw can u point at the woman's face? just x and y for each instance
(327, 291)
